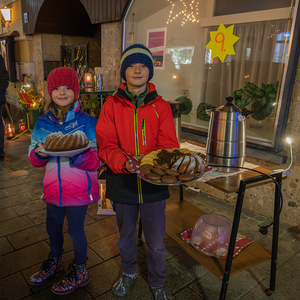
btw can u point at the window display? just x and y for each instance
(253, 75)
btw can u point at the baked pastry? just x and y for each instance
(158, 171)
(148, 158)
(168, 179)
(191, 166)
(58, 141)
(185, 177)
(172, 172)
(200, 166)
(171, 166)
(160, 167)
(146, 168)
(153, 176)
(184, 164)
(177, 163)
(167, 157)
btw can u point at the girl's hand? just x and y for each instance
(37, 150)
(128, 166)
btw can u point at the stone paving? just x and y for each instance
(24, 245)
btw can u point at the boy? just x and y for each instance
(136, 120)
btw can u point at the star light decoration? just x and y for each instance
(190, 14)
(221, 42)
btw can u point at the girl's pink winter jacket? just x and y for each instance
(68, 181)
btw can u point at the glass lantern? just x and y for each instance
(88, 82)
(10, 131)
(211, 234)
(22, 125)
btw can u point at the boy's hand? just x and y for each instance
(128, 167)
(37, 150)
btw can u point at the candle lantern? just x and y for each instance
(22, 125)
(88, 82)
(10, 131)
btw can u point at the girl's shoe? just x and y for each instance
(50, 267)
(77, 277)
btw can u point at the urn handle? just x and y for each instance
(245, 112)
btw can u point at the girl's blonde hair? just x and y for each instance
(56, 111)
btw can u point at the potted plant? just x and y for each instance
(262, 100)
(91, 104)
(31, 99)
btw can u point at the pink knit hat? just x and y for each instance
(63, 76)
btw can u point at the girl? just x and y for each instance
(70, 183)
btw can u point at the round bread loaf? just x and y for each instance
(58, 141)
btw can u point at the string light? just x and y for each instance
(191, 15)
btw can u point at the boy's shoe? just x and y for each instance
(161, 294)
(77, 277)
(121, 287)
(1, 153)
(50, 267)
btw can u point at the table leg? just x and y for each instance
(181, 192)
(101, 101)
(270, 291)
(234, 231)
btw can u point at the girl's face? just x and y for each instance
(62, 96)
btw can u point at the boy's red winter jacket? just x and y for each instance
(123, 127)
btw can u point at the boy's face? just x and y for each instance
(137, 76)
(62, 96)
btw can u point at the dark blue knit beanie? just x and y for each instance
(136, 53)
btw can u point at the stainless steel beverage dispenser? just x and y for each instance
(226, 140)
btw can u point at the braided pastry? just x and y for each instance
(57, 141)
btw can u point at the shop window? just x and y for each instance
(253, 62)
(75, 57)
(263, 58)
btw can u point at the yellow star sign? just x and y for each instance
(222, 41)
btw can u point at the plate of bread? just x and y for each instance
(169, 166)
(59, 144)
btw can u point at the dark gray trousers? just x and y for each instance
(154, 224)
